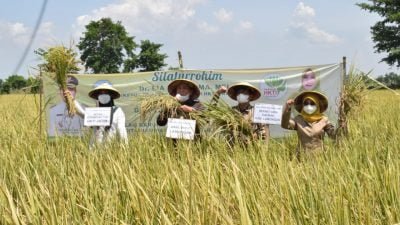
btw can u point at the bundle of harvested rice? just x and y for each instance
(60, 61)
(228, 121)
(151, 105)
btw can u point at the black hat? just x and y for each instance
(72, 81)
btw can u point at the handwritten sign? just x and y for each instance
(97, 116)
(181, 128)
(267, 114)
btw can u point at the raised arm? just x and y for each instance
(216, 95)
(287, 122)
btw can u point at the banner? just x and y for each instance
(276, 86)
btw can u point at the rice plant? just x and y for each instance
(201, 182)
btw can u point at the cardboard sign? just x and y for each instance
(181, 128)
(267, 114)
(97, 116)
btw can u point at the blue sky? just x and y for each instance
(210, 34)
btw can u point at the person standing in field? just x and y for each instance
(311, 124)
(60, 122)
(186, 92)
(105, 94)
(244, 93)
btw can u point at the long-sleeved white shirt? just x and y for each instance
(102, 134)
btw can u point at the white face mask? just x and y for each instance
(242, 98)
(104, 98)
(309, 109)
(182, 98)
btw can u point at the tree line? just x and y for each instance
(18, 84)
(105, 47)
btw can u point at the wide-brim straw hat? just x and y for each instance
(114, 93)
(322, 99)
(254, 92)
(174, 85)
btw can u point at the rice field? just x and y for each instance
(356, 181)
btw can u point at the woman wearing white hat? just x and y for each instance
(244, 93)
(105, 95)
(311, 124)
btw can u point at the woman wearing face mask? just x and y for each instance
(244, 93)
(186, 92)
(105, 95)
(311, 124)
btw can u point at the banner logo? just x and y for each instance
(273, 86)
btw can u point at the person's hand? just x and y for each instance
(289, 103)
(324, 120)
(66, 93)
(186, 108)
(222, 89)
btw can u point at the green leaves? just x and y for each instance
(106, 47)
(276, 82)
(385, 33)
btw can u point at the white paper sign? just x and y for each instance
(181, 128)
(267, 114)
(97, 116)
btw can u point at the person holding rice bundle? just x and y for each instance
(61, 122)
(311, 124)
(105, 95)
(186, 92)
(244, 93)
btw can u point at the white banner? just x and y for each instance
(276, 86)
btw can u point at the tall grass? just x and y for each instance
(150, 182)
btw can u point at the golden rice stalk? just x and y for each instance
(61, 60)
(229, 121)
(356, 87)
(151, 105)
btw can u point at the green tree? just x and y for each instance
(13, 83)
(149, 57)
(106, 46)
(391, 80)
(386, 33)
(34, 84)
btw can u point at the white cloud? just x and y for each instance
(207, 28)
(17, 29)
(244, 26)
(223, 15)
(139, 16)
(311, 32)
(19, 34)
(303, 25)
(45, 36)
(303, 10)
(16, 33)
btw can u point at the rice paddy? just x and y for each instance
(356, 181)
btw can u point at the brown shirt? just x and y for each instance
(260, 131)
(310, 134)
(162, 118)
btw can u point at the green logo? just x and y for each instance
(274, 86)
